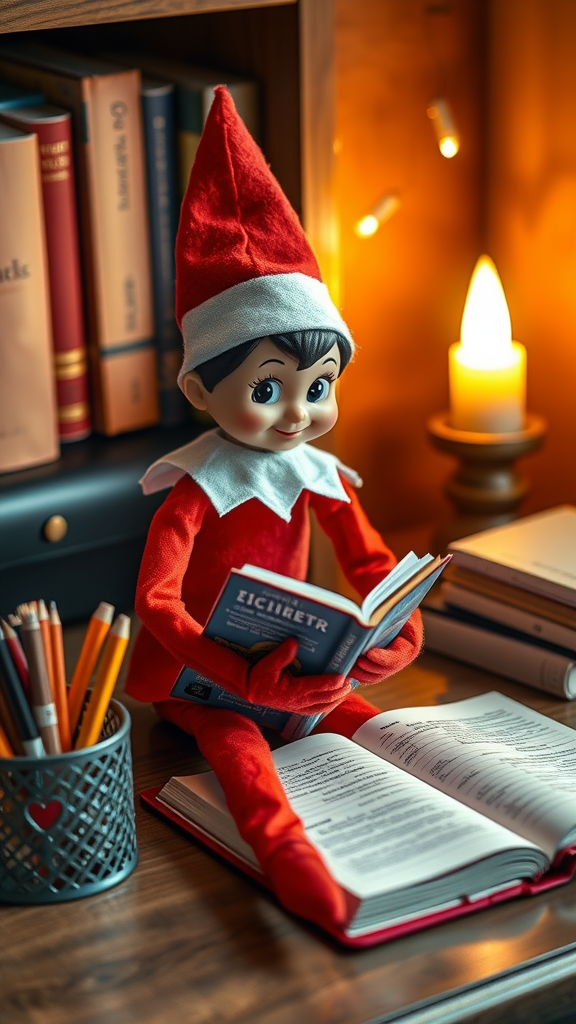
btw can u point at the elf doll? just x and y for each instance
(263, 349)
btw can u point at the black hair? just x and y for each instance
(306, 346)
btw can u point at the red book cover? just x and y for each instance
(53, 127)
(561, 872)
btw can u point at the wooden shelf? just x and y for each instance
(27, 15)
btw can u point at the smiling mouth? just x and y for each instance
(289, 433)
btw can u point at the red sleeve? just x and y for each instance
(158, 592)
(360, 550)
(365, 560)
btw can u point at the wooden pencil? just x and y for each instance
(96, 632)
(106, 677)
(43, 707)
(59, 666)
(8, 725)
(5, 748)
(44, 623)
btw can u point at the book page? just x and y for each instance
(379, 829)
(493, 754)
(400, 574)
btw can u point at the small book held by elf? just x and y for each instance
(258, 609)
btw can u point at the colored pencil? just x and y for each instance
(43, 707)
(18, 656)
(17, 705)
(106, 677)
(58, 663)
(8, 726)
(98, 627)
(5, 748)
(44, 622)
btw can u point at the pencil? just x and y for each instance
(104, 684)
(43, 707)
(60, 692)
(43, 620)
(17, 705)
(18, 656)
(95, 635)
(8, 727)
(5, 748)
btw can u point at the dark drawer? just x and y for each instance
(91, 504)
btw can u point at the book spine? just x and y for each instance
(66, 293)
(158, 111)
(517, 578)
(190, 121)
(525, 622)
(524, 662)
(507, 594)
(122, 320)
(28, 425)
(114, 234)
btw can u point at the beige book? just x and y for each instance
(536, 553)
(516, 597)
(28, 419)
(105, 102)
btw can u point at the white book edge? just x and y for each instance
(504, 656)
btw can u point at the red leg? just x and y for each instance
(348, 716)
(241, 759)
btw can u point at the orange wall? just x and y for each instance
(531, 217)
(403, 290)
(511, 191)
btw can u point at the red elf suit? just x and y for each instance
(245, 271)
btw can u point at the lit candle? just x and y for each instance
(487, 369)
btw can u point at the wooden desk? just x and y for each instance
(187, 939)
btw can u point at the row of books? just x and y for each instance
(95, 154)
(507, 603)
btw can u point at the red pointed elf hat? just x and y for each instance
(244, 268)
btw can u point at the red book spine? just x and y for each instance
(53, 127)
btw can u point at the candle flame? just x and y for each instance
(486, 333)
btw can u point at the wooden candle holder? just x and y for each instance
(486, 488)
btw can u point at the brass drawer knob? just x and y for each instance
(55, 529)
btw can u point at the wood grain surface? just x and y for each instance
(187, 938)
(24, 15)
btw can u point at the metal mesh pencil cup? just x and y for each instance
(67, 824)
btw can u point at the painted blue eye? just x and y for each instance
(266, 392)
(319, 390)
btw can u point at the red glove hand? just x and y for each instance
(379, 663)
(270, 683)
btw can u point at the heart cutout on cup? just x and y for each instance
(44, 816)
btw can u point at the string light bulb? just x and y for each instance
(444, 127)
(383, 211)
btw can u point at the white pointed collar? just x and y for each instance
(230, 474)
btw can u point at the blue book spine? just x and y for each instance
(14, 97)
(159, 118)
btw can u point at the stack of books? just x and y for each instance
(507, 603)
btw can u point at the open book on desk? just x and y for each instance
(258, 609)
(424, 815)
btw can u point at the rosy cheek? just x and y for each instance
(251, 421)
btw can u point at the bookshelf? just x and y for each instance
(288, 48)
